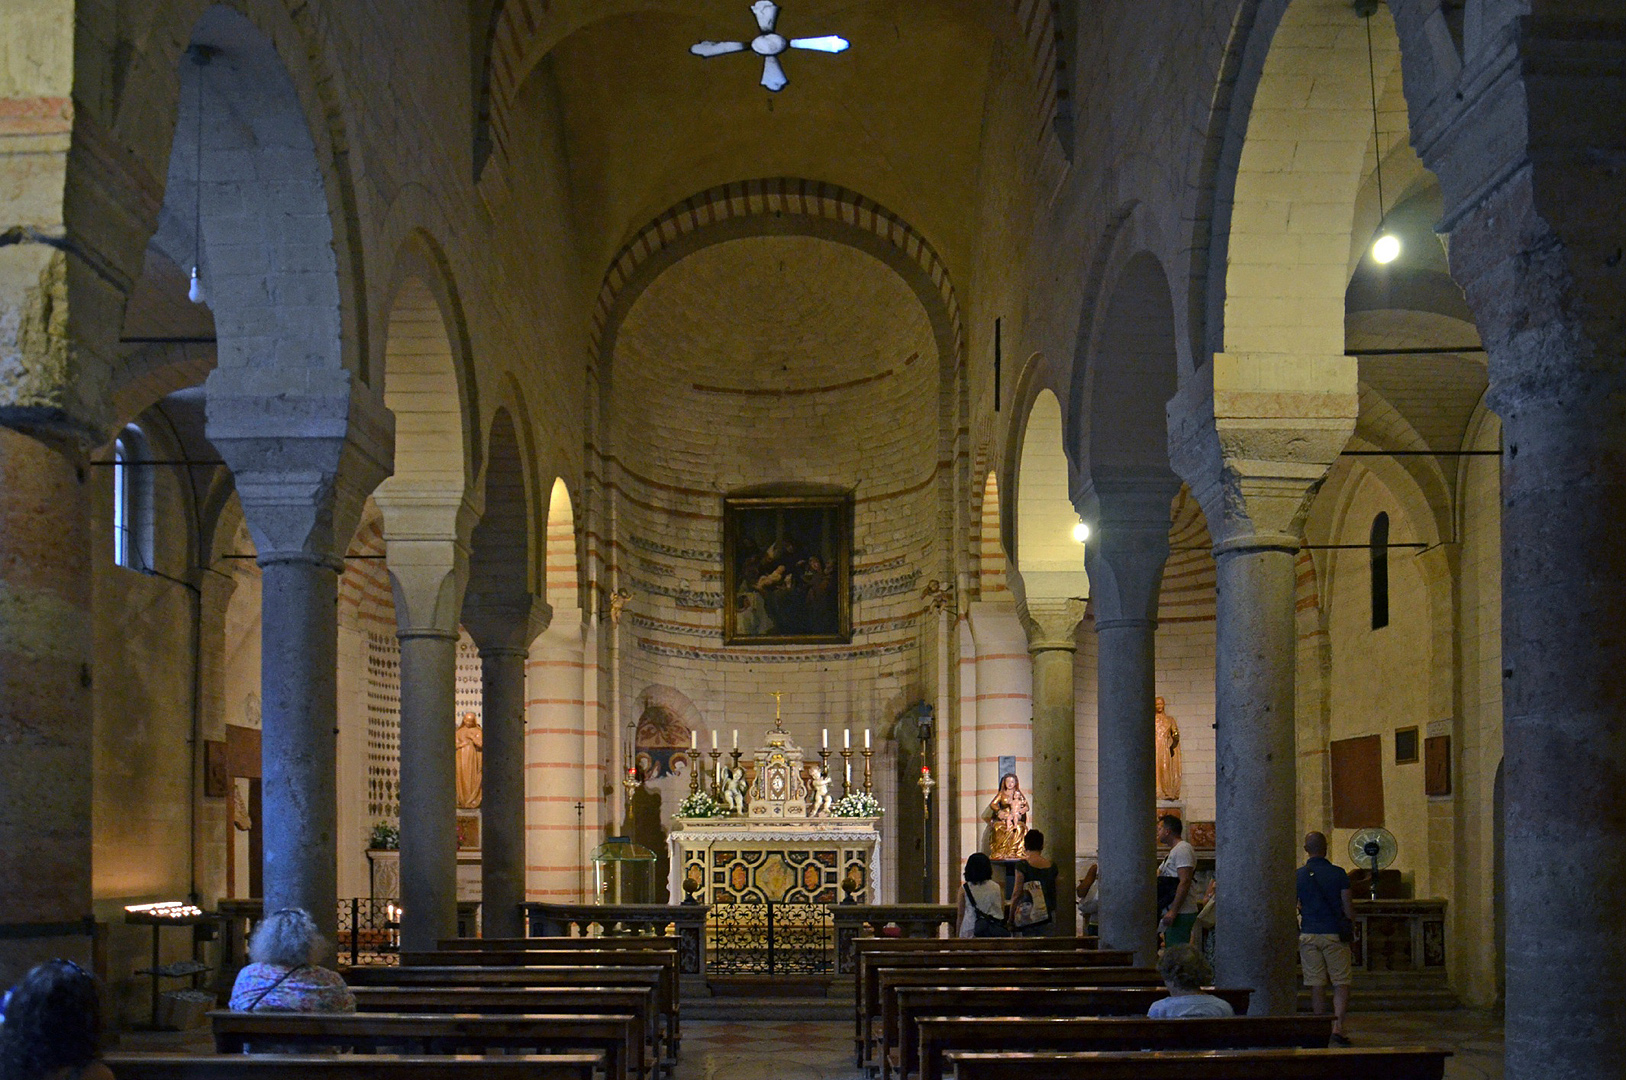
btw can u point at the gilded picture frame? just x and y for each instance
(787, 569)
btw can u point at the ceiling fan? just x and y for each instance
(770, 45)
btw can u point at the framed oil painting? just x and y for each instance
(787, 569)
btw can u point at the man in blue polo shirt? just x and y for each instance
(1326, 915)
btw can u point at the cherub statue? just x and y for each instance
(734, 789)
(821, 792)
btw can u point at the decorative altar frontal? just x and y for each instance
(740, 861)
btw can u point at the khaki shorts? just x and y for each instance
(1324, 959)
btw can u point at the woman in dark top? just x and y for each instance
(1034, 868)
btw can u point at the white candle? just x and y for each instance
(866, 738)
(736, 738)
(694, 740)
(846, 739)
(714, 739)
(824, 737)
(849, 763)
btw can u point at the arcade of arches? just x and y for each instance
(497, 301)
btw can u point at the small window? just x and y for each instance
(1380, 571)
(132, 501)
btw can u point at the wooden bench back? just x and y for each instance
(1387, 1063)
(900, 1028)
(665, 959)
(868, 1004)
(938, 1035)
(618, 1036)
(543, 944)
(128, 1066)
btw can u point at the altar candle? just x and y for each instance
(866, 738)
(714, 738)
(824, 737)
(846, 739)
(736, 738)
(694, 740)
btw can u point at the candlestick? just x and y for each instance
(847, 772)
(868, 753)
(694, 768)
(716, 769)
(824, 762)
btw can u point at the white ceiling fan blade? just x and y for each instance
(767, 13)
(717, 48)
(773, 76)
(830, 43)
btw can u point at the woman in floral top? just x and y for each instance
(284, 975)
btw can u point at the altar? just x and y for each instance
(766, 833)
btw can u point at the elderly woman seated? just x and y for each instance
(284, 975)
(1185, 972)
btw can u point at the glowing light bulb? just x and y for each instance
(1386, 249)
(1081, 532)
(194, 292)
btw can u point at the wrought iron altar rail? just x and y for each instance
(771, 938)
(686, 922)
(369, 930)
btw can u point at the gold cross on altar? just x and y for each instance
(777, 694)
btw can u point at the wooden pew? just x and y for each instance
(649, 976)
(664, 958)
(636, 1001)
(617, 1037)
(545, 944)
(349, 1067)
(938, 1035)
(867, 991)
(900, 1049)
(1388, 1063)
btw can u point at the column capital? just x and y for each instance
(1051, 623)
(305, 450)
(505, 624)
(1129, 547)
(426, 545)
(1254, 434)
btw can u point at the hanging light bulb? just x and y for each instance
(1081, 532)
(201, 55)
(1386, 248)
(194, 291)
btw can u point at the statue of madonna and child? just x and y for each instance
(1010, 815)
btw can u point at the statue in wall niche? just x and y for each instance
(1168, 755)
(470, 750)
(1009, 812)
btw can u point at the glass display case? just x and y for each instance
(623, 872)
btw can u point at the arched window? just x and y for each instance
(1380, 571)
(132, 501)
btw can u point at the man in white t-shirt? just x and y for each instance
(1181, 914)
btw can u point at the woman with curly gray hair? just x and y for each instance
(284, 975)
(1185, 972)
(51, 1026)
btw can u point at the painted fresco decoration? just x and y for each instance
(662, 743)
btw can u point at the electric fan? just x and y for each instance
(1374, 849)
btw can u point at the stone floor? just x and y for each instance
(769, 1050)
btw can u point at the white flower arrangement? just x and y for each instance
(699, 804)
(857, 804)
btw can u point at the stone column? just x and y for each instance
(45, 705)
(1254, 472)
(1052, 627)
(1125, 561)
(303, 463)
(503, 634)
(426, 534)
(1540, 271)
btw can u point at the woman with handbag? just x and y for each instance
(982, 903)
(1033, 895)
